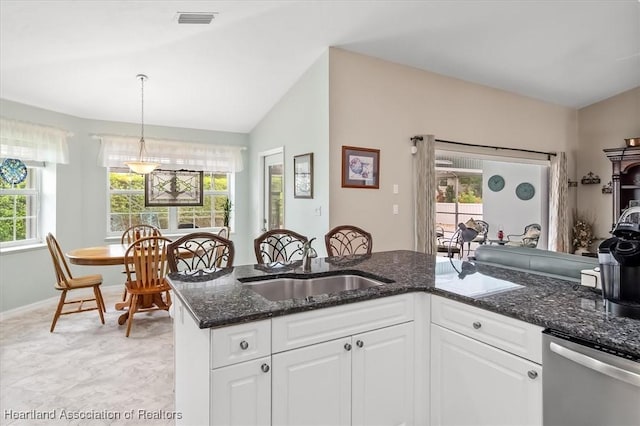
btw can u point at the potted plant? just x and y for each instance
(226, 212)
(582, 233)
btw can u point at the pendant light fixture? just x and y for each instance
(142, 167)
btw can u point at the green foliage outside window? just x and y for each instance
(127, 203)
(15, 210)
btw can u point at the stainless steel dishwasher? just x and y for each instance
(588, 384)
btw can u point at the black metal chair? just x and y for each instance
(529, 238)
(279, 245)
(346, 240)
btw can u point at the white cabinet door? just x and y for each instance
(241, 394)
(191, 345)
(474, 383)
(312, 385)
(382, 378)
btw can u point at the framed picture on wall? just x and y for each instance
(173, 188)
(303, 176)
(360, 167)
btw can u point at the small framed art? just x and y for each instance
(360, 167)
(173, 188)
(303, 176)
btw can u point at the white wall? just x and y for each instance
(602, 125)
(299, 122)
(81, 201)
(379, 104)
(506, 209)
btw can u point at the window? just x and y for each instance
(126, 204)
(19, 209)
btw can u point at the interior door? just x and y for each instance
(273, 178)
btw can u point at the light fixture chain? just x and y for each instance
(142, 106)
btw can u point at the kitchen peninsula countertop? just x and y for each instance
(219, 299)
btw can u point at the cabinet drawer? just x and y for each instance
(514, 336)
(243, 342)
(297, 330)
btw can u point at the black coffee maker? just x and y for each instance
(619, 259)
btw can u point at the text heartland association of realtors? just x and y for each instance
(63, 414)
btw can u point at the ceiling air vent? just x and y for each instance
(195, 18)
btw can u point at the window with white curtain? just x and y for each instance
(219, 164)
(38, 146)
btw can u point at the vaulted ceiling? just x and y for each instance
(82, 57)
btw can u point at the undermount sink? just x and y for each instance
(300, 288)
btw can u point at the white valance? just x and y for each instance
(33, 142)
(171, 154)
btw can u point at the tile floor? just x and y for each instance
(86, 369)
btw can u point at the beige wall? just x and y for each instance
(379, 104)
(604, 125)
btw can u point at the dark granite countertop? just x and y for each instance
(219, 299)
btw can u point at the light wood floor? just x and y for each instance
(85, 368)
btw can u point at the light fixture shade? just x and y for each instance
(142, 167)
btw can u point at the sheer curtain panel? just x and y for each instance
(558, 204)
(33, 142)
(425, 195)
(171, 154)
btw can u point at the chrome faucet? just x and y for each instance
(308, 253)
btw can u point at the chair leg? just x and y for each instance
(124, 294)
(132, 310)
(99, 302)
(168, 303)
(63, 295)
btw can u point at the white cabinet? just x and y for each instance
(191, 346)
(241, 394)
(343, 365)
(473, 382)
(383, 376)
(364, 379)
(222, 376)
(312, 385)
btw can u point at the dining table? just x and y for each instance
(109, 255)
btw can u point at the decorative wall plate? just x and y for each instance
(525, 191)
(496, 183)
(13, 171)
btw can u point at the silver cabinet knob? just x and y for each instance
(244, 345)
(477, 325)
(265, 367)
(360, 343)
(532, 374)
(347, 346)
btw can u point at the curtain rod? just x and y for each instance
(548, 154)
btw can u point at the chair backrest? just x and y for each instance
(146, 264)
(136, 232)
(531, 235)
(348, 239)
(63, 273)
(279, 245)
(483, 229)
(224, 232)
(200, 251)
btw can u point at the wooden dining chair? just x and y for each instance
(279, 245)
(134, 233)
(348, 239)
(200, 251)
(66, 282)
(146, 268)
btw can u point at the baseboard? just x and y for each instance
(109, 290)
